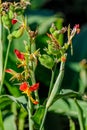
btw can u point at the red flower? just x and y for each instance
(77, 28)
(24, 86)
(19, 54)
(14, 21)
(34, 87)
(28, 90)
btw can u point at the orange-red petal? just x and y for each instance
(34, 87)
(24, 86)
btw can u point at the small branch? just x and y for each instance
(52, 80)
(43, 120)
(30, 115)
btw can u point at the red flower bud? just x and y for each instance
(77, 27)
(8, 70)
(19, 54)
(14, 21)
(63, 59)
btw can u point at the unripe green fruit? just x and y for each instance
(11, 14)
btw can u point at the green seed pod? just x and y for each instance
(47, 61)
(11, 14)
(52, 28)
(8, 24)
(56, 34)
(9, 37)
(6, 21)
(5, 17)
(18, 33)
(11, 7)
(52, 50)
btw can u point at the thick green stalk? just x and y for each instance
(21, 118)
(55, 90)
(43, 120)
(52, 80)
(5, 64)
(56, 87)
(31, 123)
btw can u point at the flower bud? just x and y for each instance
(14, 21)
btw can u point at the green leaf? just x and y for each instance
(80, 116)
(66, 93)
(37, 118)
(6, 100)
(69, 93)
(75, 66)
(9, 123)
(68, 107)
(46, 61)
(12, 89)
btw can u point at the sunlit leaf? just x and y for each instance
(37, 118)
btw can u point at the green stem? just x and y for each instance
(1, 50)
(33, 82)
(22, 116)
(33, 48)
(55, 90)
(56, 87)
(52, 80)
(31, 123)
(43, 120)
(1, 122)
(5, 64)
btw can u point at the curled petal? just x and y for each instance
(77, 26)
(33, 100)
(19, 54)
(10, 71)
(34, 87)
(24, 86)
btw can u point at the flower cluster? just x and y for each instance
(10, 11)
(25, 60)
(29, 89)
